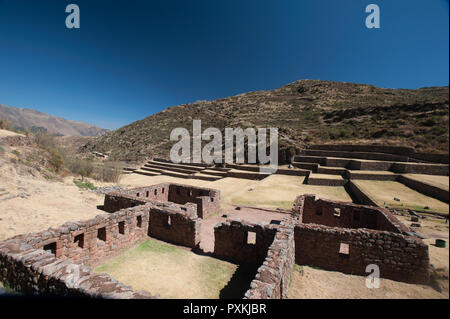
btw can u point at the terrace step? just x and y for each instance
(205, 177)
(372, 175)
(357, 155)
(141, 172)
(176, 165)
(326, 180)
(331, 170)
(170, 168)
(214, 172)
(310, 159)
(303, 165)
(247, 174)
(170, 162)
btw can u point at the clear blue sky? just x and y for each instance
(131, 59)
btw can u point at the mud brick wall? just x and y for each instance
(346, 215)
(35, 271)
(207, 200)
(174, 226)
(399, 257)
(424, 188)
(231, 241)
(273, 276)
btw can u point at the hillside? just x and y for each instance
(35, 120)
(306, 111)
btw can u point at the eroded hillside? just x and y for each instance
(306, 111)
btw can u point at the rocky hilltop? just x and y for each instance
(306, 111)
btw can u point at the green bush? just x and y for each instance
(84, 184)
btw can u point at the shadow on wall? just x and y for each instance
(239, 282)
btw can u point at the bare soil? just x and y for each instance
(313, 283)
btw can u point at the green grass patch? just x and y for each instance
(170, 271)
(84, 184)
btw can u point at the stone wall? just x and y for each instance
(401, 150)
(174, 226)
(326, 181)
(419, 168)
(362, 155)
(36, 271)
(273, 276)
(424, 188)
(231, 241)
(58, 254)
(359, 195)
(348, 237)
(205, 200)
(346, 215)
(399, 257)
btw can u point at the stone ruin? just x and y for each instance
(331, 235)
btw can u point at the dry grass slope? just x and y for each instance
(304, 111)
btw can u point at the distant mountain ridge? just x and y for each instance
(28, 118)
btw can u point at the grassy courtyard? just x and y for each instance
(384, 192)
(173, 272)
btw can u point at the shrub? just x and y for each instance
(82, 167)
(45, 140)
(5, 124)
(109, 172)
(84, 184)
(56, 159)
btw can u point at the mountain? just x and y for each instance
(35, 120)
(306, 112)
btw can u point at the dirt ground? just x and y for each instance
(170, 271)
(5, 133)
(30, 203)
(313, 283)
(384, 192)
(275, 191)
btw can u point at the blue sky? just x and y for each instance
(131, 59)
